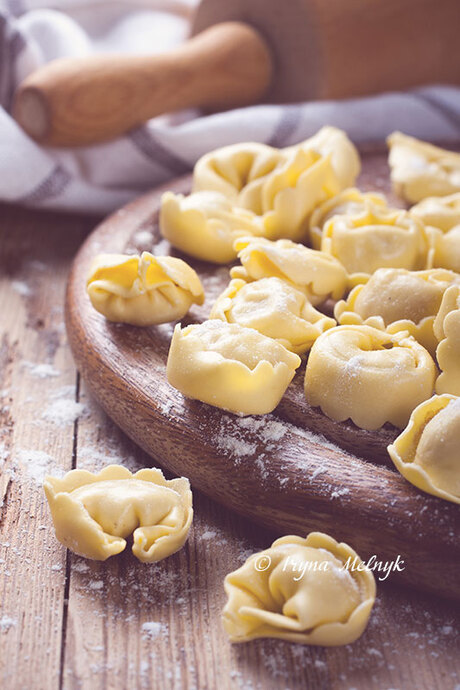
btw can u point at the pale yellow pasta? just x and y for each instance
(447, 330)
(368, 375)
(328, 605)
(445, 248)
(281, 186)
(441, 212)
(376, 238)
(427, 451)
(420, 170)
(94, 514)
(318, 274)
(142, 290)
(274, 308)
(349, 203)
(205, 225)
(229, 366)
(398, 300)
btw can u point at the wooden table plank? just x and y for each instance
(128, 624)
(36, 435)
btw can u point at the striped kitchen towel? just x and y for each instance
(101, 178)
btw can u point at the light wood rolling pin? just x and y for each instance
(243, 52)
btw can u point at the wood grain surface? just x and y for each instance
(281, 470)
(75, 624)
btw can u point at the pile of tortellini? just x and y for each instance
(309, 245)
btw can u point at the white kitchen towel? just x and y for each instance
(103, 177)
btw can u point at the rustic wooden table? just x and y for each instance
(67, 622)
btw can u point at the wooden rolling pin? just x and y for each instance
(244, 51)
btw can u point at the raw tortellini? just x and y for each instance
(419, 169)
(205, 225)
(229, 366)
(275, 309)
(317, 274)
(447, 330)
(441, 215)
(368, 375)
(329, 604)
(349, 202)
(427, 451)
(281, 186)
(376, 238)
(94, 514)
(142, 290)
(398, 300)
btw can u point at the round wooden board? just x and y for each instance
(294, 470)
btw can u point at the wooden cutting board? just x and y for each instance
(294, 470)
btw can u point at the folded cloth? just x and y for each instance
(103, 177)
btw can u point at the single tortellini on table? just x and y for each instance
(427, 451)
(94, 514)
(282, 186)
(368, 375)
(142, 290)
(376, 238)
(229, 366)
(318, 274)
(205, 225)
(274, 308)
(447, 330)
(420, 170)
(349, 203)
(300, 590)
(398, 300)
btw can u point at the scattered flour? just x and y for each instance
(63, 411)
(152, 629)
(21, 288)
(36, 463)
(41, 371)
(6, 622)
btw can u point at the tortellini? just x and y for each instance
(441, 215)
(94, 514)
(142, 290)
(205, 225)
(447, 330)
(368, 375)
(398, 300)
(329, 604)
(427, 452)
(376, 238)
(229, 366)
(275, 309)
(281, 186)
(420, 170)
(349, 202)
(441, 212)
(317, 274)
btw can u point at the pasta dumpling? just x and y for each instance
(317, 274)
(229, 366)
(94, 514)
(420, 170)
(376, 238)
(445, 248)
(281, 186)
(329, 604)
(447, 330)
(368, 375)
(205, 225)
(275, 309)
(398, 300)
(350, 202)
(142, 290)
(426, 453)
(442, 212)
